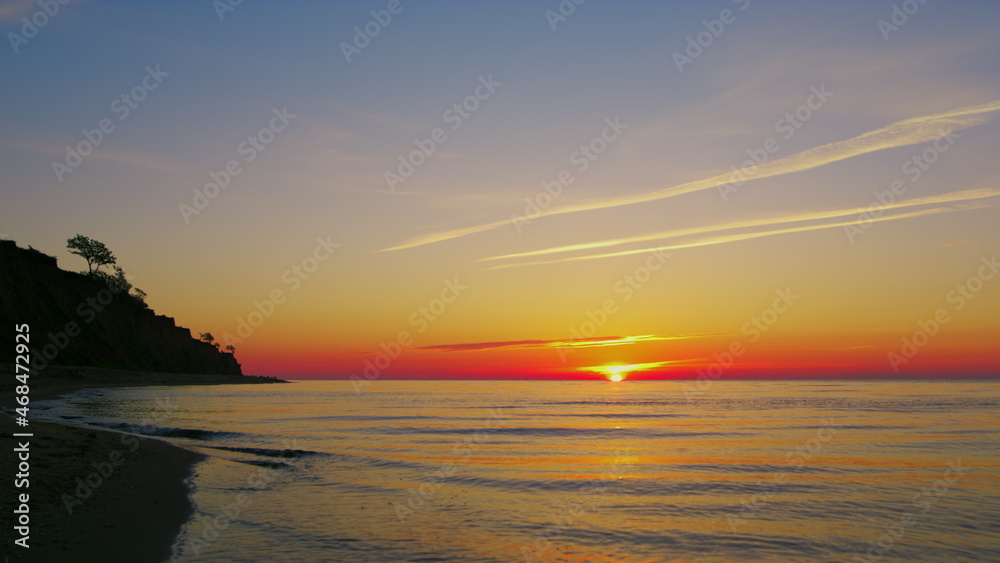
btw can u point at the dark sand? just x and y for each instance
(133, 514)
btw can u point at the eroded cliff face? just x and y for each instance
(77, 321)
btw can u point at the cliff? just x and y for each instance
(77, 321)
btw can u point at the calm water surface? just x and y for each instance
(579, 471)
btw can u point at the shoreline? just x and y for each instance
(100, 495)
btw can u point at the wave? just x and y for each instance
(266, 463)
(166, 431)
(758, 403)
(608, 415)
(600, 485)
(270, 452)
(376, 418)
(550, 431)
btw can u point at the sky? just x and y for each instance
(575, 189)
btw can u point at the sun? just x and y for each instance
(620, 372)
(615, 372)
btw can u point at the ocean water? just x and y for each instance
(489, 471)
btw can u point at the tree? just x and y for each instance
(140, 296)
(231, 349)
(116, 282)
(119, 282)
(207, 337)
(95, 252)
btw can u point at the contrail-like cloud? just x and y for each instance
(748, 236)
(901, 133)
(952, 197)
(592, 342)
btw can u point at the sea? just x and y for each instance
(577, 471)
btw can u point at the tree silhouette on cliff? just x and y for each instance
(95, 252)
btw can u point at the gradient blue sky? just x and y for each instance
(323, 176)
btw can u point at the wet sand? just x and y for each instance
(96, 495)
(101, 496)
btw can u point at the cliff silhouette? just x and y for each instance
(76, 320)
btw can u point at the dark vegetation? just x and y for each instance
(95, 319)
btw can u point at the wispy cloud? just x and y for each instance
(122, 157)
(592, 342)
(748, 236)
(135, 159)
(964, 195)
(12, 10)
(901, 133)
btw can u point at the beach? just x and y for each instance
(134, 511)
(97, 495)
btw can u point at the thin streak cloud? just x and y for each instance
(964, 195)
(123, 157)
(748, 236)
(901, 133)
(591, 342)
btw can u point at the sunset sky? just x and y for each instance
(495, 189)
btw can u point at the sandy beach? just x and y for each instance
(102, 496)
(99, 495)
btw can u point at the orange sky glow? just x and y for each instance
(536, 205)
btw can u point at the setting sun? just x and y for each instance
(616, 372)
(619, 372)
